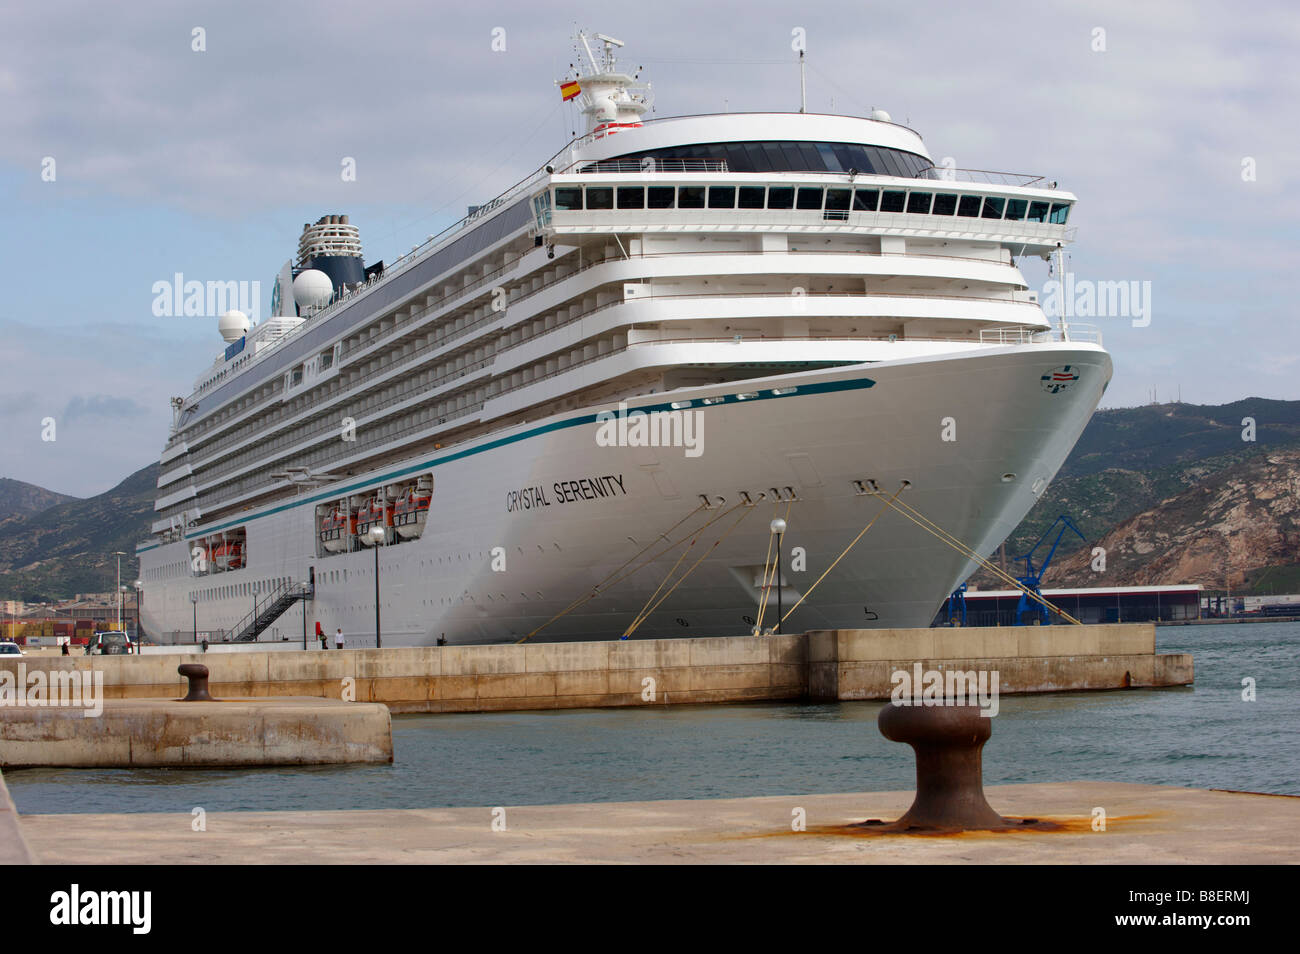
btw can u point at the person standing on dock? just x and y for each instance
(320, 634)
(338, 639)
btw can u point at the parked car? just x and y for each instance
(110, 642)
(10, 649)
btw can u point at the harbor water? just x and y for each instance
(1206, 736)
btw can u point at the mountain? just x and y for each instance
(1135, 481)
(1243, 518)
(20, 499)
(68, 548)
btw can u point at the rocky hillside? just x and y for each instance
(1153, 464)
(21, 499)
(1237, 520)
(68, 548)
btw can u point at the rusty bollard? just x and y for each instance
(949, 742)
(197, 674)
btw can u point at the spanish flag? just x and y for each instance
(570, 90)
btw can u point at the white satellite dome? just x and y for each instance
(881, 116)
(312, 288)
(233, 325)
(604, 110)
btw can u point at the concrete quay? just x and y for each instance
(1145, 824)
(824, 665)
(154, 733)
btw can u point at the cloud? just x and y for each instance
(102, 406)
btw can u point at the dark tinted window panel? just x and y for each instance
(631, 197)
(569, 199)
(992, 207)
(892, 201)
(919, 202)
(774, 157)
(722, 197)
(1016, 208)
(891, 164)
(812, 159)
(970, 206)
(793, 160)
(944, 204)
(756, 156)
(810, 198)
(751, 197)
(837, 200)
(600, 198)
(830, 161)
(865, 200)
(1060, 212)
(1037, 211)
(690, 197)
(780, 197)
(660, 197)
(847, 155)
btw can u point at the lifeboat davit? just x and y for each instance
(410, 512)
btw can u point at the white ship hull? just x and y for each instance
(489, 569)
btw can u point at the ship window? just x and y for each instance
(809, 199)
(944, 204)
(295, 377)
(919, 202)
(1016, 208)
(830, 159)
(780, 197)
(1060, 212)
(600, 197)
(992, 207)
(327, 360)
(837, 200)
(1037, 211)
(690, 197)
(631, 197)
(892, 201)
(722, 197)
(865, 200)
(751, 197)
(660, 197)
(970, 206)
(568, 199)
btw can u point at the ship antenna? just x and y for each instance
(803, 85)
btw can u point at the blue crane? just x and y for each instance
(1033, 577)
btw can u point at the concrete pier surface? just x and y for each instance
(823, 665)
(1145, 824)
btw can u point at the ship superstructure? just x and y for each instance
(807, 305)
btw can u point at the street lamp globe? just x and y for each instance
(778, 525)
(377, 533)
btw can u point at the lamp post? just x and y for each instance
(778, 527)
(119, 554)
(194, 598)
(377, 536)
(139, 592)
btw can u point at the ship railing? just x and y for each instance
(1015, 335)
(985, 176)
(650, 164)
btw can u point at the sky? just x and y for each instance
(142, 140)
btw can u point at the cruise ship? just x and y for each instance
(586, 410)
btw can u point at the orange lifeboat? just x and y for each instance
(334, 529)
(410, 512)
(372, 513)
(228, 556)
